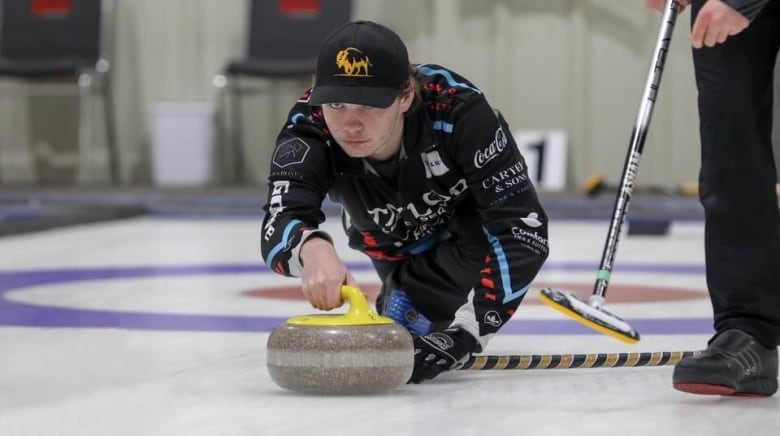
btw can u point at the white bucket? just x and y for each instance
(182, 137)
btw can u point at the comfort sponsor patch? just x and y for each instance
(531, 240)
(290, 152)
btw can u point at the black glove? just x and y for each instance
(437, 352)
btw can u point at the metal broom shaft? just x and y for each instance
(638, 135)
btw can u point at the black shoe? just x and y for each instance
(733, 364)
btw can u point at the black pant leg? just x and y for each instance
(439, 280)
(738, 176)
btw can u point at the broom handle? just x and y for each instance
(637, 144)
(564, 361)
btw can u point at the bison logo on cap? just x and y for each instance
(353, 62)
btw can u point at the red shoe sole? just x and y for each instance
(705, 389)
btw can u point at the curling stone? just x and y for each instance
(353, 353)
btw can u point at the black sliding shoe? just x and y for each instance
(734, 364)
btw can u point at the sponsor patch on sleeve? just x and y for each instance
(290, 152)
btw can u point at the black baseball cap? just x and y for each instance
(363, 63)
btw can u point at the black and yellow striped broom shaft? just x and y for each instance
(564, 361)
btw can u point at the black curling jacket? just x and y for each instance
(455, 148)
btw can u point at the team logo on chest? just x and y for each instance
(418, 219)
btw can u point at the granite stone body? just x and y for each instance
(340, 359)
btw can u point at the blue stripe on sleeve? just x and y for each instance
(283, 243)
(503, 267)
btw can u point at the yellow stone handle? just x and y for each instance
(359, 313)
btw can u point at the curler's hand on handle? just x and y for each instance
(323, 274)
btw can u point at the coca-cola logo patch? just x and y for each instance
(485, 155)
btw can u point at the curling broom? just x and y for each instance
(591, 313)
